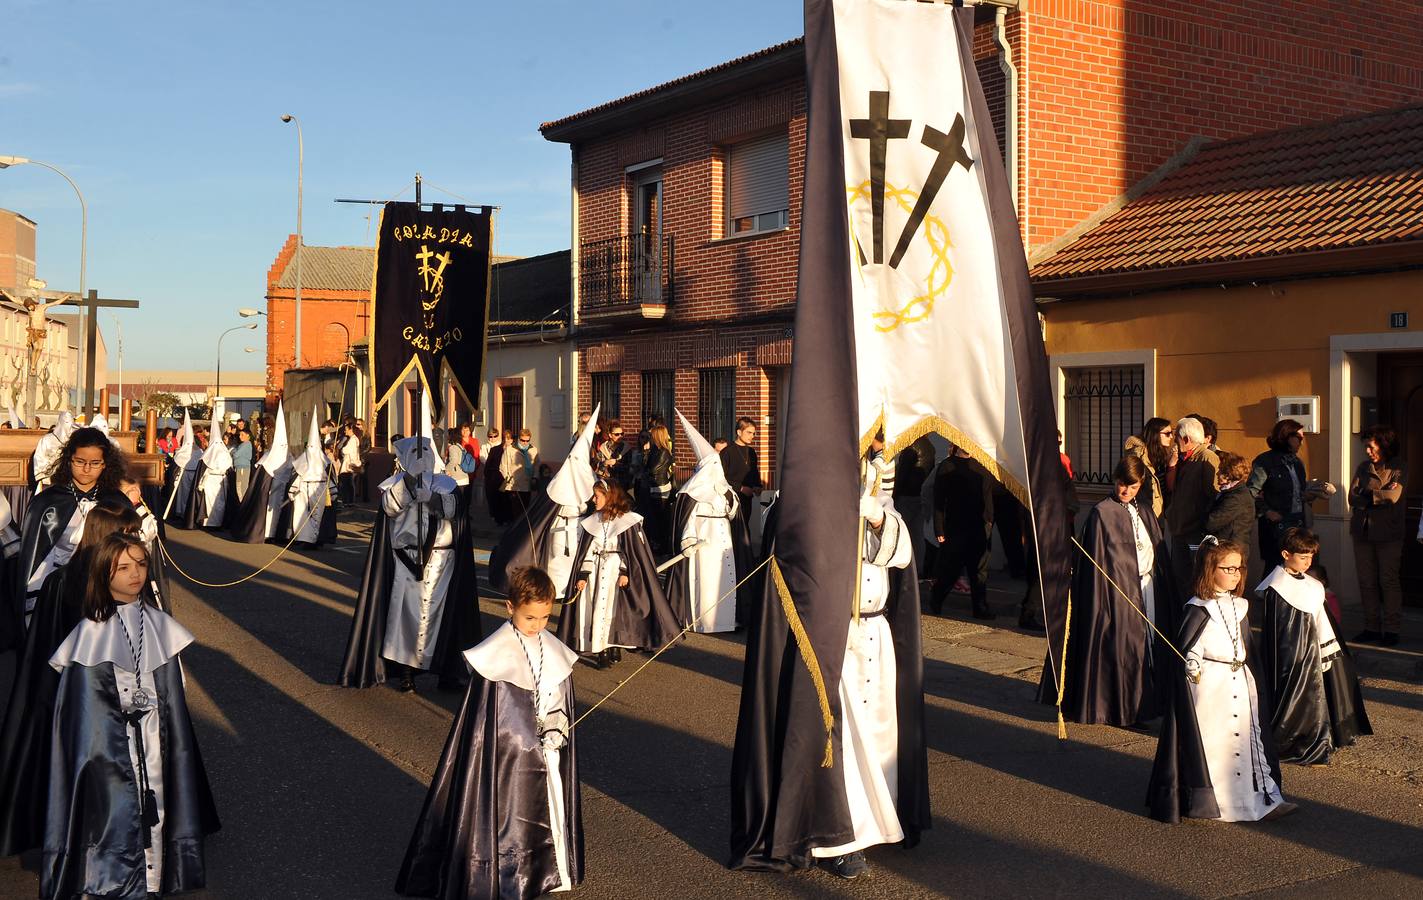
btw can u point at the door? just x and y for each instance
(1401, 406)
(647, 236)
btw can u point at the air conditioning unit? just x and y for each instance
(1304, 410)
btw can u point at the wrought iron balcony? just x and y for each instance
(627, 274)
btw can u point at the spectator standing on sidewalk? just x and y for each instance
(242, 461)
(1376, 498)
(1156, 447)
(1192, 484)
(912, 468)
(1281, 491)
(1232, 513)
(963, 522)
(742, 467)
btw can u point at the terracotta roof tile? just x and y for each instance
(1348, 183)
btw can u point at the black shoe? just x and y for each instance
(982, 612)
(1367, 636)
(595, 660)
(615, 654)
(1389, 639)
(407, 684)
(851, 865)
(1028, 623)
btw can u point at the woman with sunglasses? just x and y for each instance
(1156, 448)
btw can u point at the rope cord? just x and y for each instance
(296, 532)
(681, 634)
(1062, 681)
(1164, 639)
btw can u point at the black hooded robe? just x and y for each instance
(740, 551)
(197, 511)
(1180, 782)
(460, 624)
(524, 543)
(45, 521)
(484, 829)
(93, 840)
(1112, 676)
(247, 521)
(642, 616)
(1314, 713)
(784, 803)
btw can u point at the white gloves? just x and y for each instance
(871, 510)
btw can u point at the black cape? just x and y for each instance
(197, 511)
(740, 550)
(45, 520)
(642, 617)
(93, 841)
(1180, 782)
(783, 802)
(524, 543)
(1313, 713)
(460, 625)
(484, 831)
(1111, 678)
(247, 521)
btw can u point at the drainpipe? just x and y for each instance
(1010, 95)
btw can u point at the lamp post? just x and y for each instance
(120, 330)
(300, 154)
(6, 162)
(251, 326)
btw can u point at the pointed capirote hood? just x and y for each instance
(14, 416)
(64, 427)
(708, 481)
(100, 422)
(216, 457)
(185, 456)
(311, 465)
(412, 458)
(572, 485)
(279, 455)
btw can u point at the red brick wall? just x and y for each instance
(1117, 87)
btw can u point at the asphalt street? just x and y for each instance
(318, 786)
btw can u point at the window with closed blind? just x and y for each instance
(758, 184)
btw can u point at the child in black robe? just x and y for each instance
(503, 818)
(129, 802)
(1318, 706)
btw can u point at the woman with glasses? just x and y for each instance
(1282, 493)
(1156, 448)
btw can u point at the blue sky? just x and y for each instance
(167, 117)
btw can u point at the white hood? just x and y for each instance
(64, 427)
(14, 416)
(572, 485)
(185, 457)
(216, 457)
(311, 465)
(278, 456)
(708, 481)
(100, 422)
(422, 464)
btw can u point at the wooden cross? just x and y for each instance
(90, 305)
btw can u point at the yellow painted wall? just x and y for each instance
(1228, 353)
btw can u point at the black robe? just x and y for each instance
(784, 803)
(45, 520)
(1111, 680)
(524, 543)
(460, 624)
(247, 521)
(1313, 714)
(740, 551)
(642, 616)
(93, 841)
(484, 831)
(1180, 782)
(197, 511)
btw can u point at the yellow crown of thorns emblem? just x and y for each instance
(936, 236)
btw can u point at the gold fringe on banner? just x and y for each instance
(1062, 671)
(936, 425)
(812, 665)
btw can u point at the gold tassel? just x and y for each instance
(812, 665)
(1062, 670)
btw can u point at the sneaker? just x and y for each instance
(1367, 636)
(1389, 639)
(1280, 811)
(851, 865)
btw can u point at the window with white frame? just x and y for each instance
(758, 184)
(1103, 406)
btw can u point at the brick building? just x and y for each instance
(680, 297)
(335, 308)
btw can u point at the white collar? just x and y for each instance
(593, 524)
(502, 657)
(1214, 610)
(1304, 594)
(92, 643)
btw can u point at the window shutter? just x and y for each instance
(759, 176)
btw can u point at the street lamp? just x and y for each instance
(5, 163)
(119, 328)
(248, 312)
(300, 154)
(251, 326)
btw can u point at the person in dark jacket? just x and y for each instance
(1376, 498)
(1282, 494)
(912, 467)
(963, 521)
(1232, 514)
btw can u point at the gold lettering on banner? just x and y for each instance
(426, 233)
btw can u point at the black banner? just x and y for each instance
(431, 299)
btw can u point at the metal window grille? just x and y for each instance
(657, 393)
(608, 393)
(1104, 406)
(511, 408)
(716, 403)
